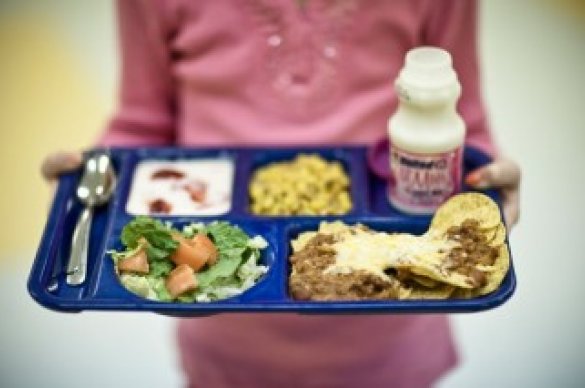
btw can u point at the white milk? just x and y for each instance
(426, 133)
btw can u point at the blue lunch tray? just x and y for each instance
(103, 291)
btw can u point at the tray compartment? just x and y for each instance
(177, 155)
(268, 287)
(392, 225)
(351, 158)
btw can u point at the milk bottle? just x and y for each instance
(426, 133)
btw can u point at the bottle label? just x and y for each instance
(419, 183)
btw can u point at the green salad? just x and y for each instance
(200, 263)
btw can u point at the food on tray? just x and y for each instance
(464, 206)
(463, 254)
(307, 185)
(183, 187)
(201, 262)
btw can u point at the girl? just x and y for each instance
(227, 72)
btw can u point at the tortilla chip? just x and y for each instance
(424, 281)
(495, 275)
(333, 227)
(500, 269)
(463, 293)
(404, 292)
(490, 233)
(301, 241)
(499, 236)
(442, 291)
(426, 288)
(453, 278)
(465, 206)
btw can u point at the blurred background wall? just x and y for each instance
(58, 75)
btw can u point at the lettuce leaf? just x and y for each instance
(231, 242)
(226, 266)
(226, 236)
(155, 232)
(157, 285)
(160, 268)
(160, 242)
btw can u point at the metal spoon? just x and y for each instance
(95, 189)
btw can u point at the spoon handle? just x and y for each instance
(77, 267)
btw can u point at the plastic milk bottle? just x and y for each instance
(426, 133)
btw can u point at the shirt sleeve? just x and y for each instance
(453, 25)
(146, 112)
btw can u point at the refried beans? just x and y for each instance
(308, 282)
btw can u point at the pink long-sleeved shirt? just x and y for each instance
(282, 72)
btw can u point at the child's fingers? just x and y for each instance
(60, 162)
(511, 206)
(500, 174)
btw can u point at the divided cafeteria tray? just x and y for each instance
(103, 291)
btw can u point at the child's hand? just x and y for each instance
(60, 162)
(505, 175)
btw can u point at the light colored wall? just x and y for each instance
(57, 81)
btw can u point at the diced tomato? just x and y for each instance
(195, 252)
(136, 263)
(206, 247)
(181, 280)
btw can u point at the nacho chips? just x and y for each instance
(462, 255)
(464, 206)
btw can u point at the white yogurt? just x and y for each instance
(212, 177)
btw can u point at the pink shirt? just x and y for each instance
(227, 72)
